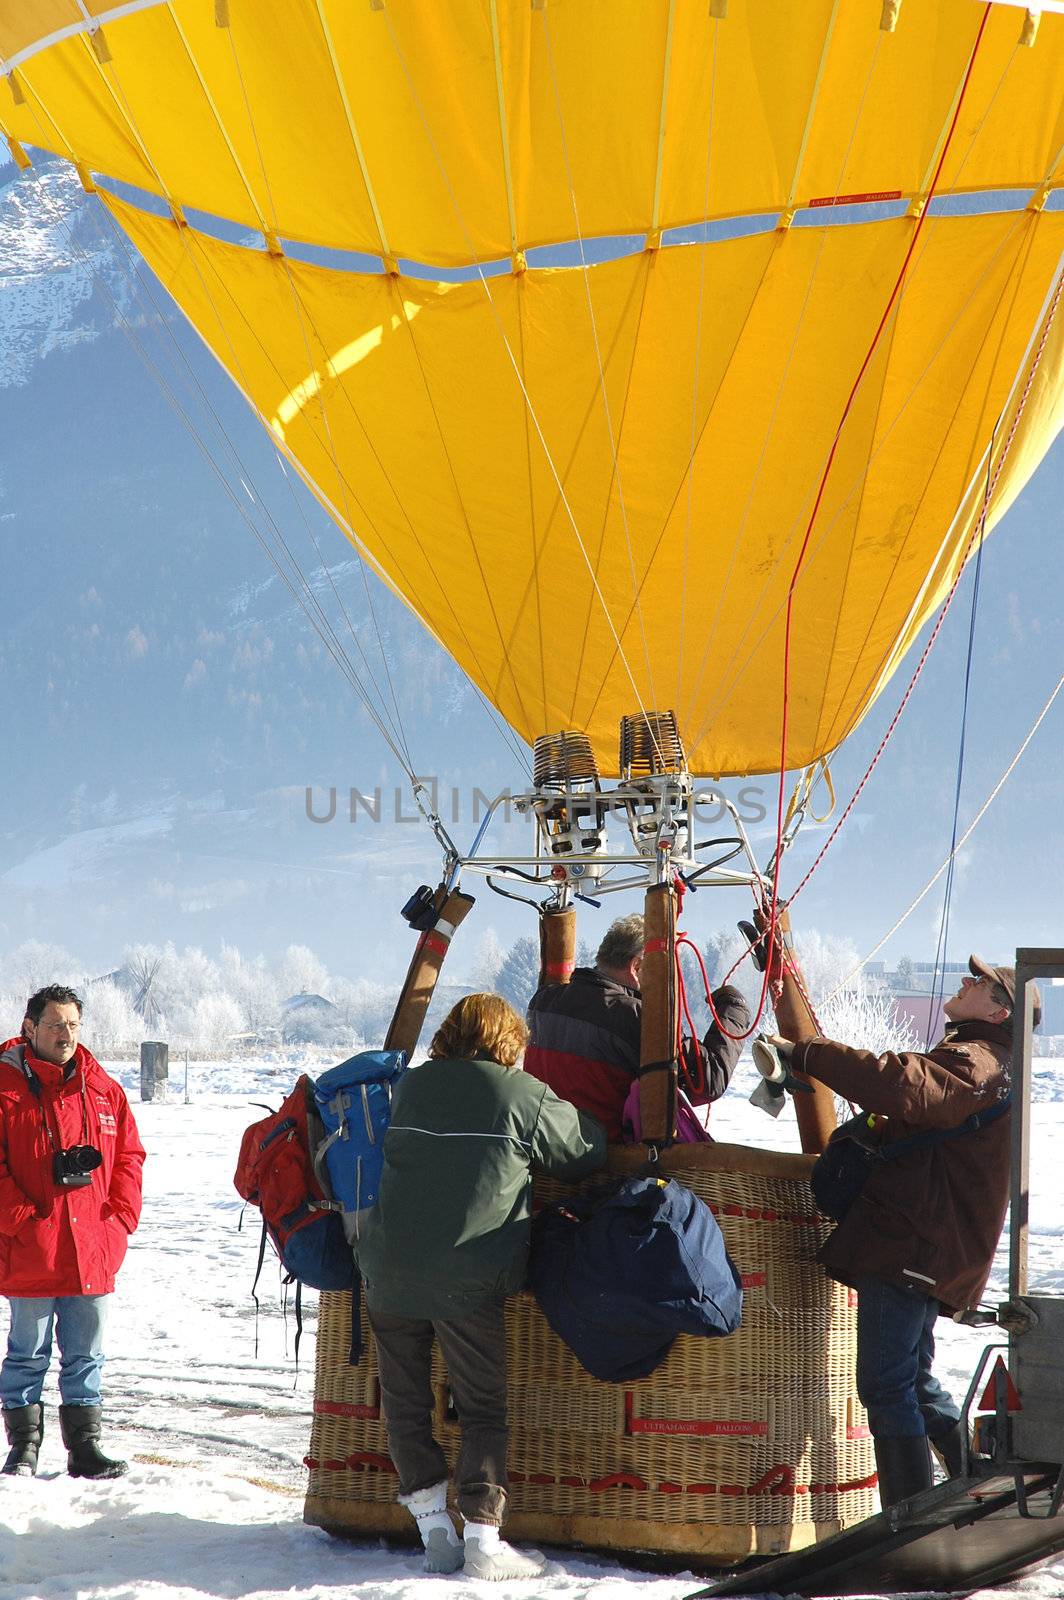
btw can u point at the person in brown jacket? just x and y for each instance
(920, 1237)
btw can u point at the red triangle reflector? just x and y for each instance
(1012, 1398)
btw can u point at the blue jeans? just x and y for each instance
(895, 1349)
(78, 1320)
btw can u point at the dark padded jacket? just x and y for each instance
(451, 1230)
(584, 1043)
(930, 1220)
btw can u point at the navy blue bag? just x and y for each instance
(620, 1271)
(843, 1168)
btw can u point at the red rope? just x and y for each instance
(976, 534)
(771, 908)
(892, 300)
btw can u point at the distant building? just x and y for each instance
(311, 1019)
(925, 1014)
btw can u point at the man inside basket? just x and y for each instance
(920, 1236)
(585, 1035)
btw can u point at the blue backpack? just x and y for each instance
(313, 1167)
(620, 1271)
(354, 1102)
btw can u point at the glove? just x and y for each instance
(1017, 1317)
(784, 1049)
(772, 1059)
(758, 945)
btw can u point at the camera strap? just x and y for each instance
(36, 1089)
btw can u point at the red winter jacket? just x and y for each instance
(53, 1240)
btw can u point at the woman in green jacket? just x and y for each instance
(446, 1243)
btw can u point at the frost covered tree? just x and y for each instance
(109, 1021)
(214, 1020)
(488, 957)
(300, 972)
(254, 988)
(518, 977)
(365, 1008)
(33, 965)
(868, 1020)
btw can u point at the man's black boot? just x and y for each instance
(904, 1467)
(24, 1426)
(948, 1448)
(80, 1427)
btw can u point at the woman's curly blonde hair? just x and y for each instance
(480, 1025)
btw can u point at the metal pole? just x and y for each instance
(658, 1070)
(1030, 964)
(186, 1077)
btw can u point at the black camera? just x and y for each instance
(420, 910)
(73, 1168)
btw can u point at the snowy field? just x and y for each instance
(215, 1436)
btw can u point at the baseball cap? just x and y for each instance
(1006, 977)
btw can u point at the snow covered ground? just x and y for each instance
(215, 1436)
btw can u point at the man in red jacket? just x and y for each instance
(70, 1191)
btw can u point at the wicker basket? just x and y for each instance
(751, 1444)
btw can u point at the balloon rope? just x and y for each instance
(778, 399)
(770, 906)
(611, 432)
(719, 703)
(476, 262)
(789, 619)
(696, 381)
(1021, 404)
(831, 523)
(961, 842)
(938, 980)
(124, 110)
(122, 105)
(307, 601)
(303, 317)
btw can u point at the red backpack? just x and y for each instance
(276, 1172)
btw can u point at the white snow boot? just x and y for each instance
(489, 1556)
(428, 1507)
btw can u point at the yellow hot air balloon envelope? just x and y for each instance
(596, 483)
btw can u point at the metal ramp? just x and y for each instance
(961, 1536)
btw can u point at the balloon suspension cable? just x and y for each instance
(961, 842)
(398, 735)
(777, 402)
(1047, 323)
(973, 136)
(515, 365)
(306, 600)
(846, 410)
(772, 907)
(938, 982)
